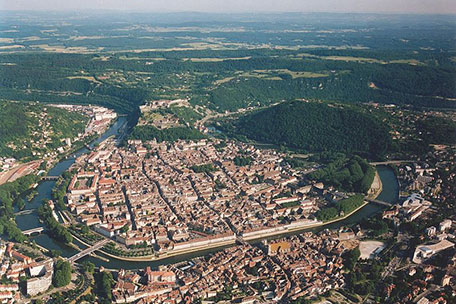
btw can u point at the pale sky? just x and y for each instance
(378, 6)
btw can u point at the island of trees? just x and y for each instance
(55, 229)
(349, 175)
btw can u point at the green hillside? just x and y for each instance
(28, 128)
(316, 127)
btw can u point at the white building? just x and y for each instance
(431, 231)
(446, 224)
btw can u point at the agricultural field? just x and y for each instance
(224, 64)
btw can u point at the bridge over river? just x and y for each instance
(88, 251)
(24, 212)
(50, 178)
(32, 231)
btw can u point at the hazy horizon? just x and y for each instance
(240, 6)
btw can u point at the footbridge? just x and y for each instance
(375, 201)
(88, 251)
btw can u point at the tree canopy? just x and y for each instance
(148, 132)
(351, 175)
(62, 273)
(317, 127)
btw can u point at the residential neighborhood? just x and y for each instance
(190, 194)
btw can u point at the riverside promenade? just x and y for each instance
(376, 189)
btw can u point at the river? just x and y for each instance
(390, 193)
(29, 221)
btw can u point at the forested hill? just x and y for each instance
(316, 127)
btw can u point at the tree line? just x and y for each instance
(148, 132)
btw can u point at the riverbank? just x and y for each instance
(151, 258)
(365, 211)
(44, 187)
(305, 227)
(376, 189)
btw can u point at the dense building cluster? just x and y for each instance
(426, 203)
(190, 194)
(428, 179)
(15, 265)
(291, 267)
